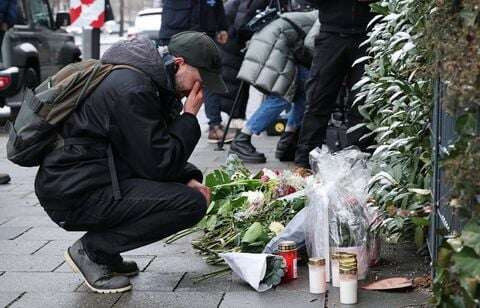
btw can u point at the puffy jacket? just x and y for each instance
(344, 16)
(269, 64)
(137, 114)
(200, 15)
(8, 12)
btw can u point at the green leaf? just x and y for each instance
(467, 124)
(420, 191)
(467, 262)
(217, 177)
(471, 236)
(419, 236)
(253, 233)
(225, 208)
(211, 222)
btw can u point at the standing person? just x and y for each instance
(206, 16)
(343, 28)
(122, 173)
(271, 66)
(238, 13)
(8, 16)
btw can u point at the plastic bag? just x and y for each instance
(294, 231)
(337, 204)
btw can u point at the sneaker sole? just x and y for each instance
(75, 269)
(215, 141)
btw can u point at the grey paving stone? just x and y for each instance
(142, 262)
(31, 221)
(55, 248)
(19, 247)
(26, 263)
(159, 282)
(67, 300)
(187, 263)
(272, 298)
(8, 297)
(162, 249)
(226, 283)
(12, 211)
(50, 233)
(39, 282)
(169, 299)
(8, 233)
(367, 299)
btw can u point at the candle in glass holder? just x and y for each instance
(348, 281)
(316, 275)
(335, 265)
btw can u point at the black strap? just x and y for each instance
(117, 195)
(297, 28)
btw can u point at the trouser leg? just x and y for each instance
(329, 67)
(213, 108)
(147, 212)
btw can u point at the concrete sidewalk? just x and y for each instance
(33, 272)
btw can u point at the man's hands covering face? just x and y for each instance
(204, 190)
(194, 99)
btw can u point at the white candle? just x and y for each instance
(348, 291)
(317, 275)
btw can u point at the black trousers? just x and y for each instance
(147, 212)
(331, 65)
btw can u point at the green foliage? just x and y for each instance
(457, 65)
(397, 110)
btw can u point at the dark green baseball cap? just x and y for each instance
(200, 51)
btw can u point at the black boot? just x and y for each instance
(242, 146)
(98, 277)
(286, 146)
(124, 268)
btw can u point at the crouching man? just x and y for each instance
(141, 189)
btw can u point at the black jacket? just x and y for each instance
(138, 115)
(199, 15)
(343, 16)
(238, 14)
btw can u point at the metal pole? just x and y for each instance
(91, 43)
(235, 102)
(122, 18)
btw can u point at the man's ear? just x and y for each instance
(179, 61)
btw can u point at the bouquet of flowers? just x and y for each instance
(246, 210)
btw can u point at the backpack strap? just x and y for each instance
(297, 28)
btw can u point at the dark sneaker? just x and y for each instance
(124, 268)
(286, 146)
(243, 148)
(215, 134)
(98, 277)
(4, 178)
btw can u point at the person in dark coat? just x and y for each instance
(8, 16)
(122, 174)
(343, 28)
(206, 16)
(238, 13)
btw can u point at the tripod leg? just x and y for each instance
(235, 103)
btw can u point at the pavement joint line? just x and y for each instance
(118, 299)
(48, 241)
(221, 300)
(148, 264)
(16, 299)
(1, 224)
(15, 237)
(1, 273)
(58, 266)
(179, 281)
(80, 285)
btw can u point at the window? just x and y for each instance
(40, 13)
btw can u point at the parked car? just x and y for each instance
(33, 49)
(147, 24)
